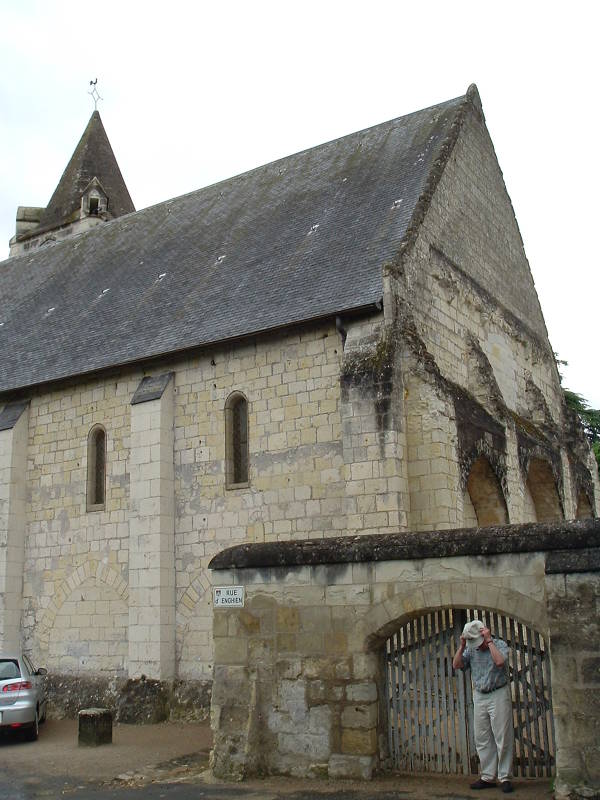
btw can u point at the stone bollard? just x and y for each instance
(95, 727)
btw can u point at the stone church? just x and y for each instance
(343, 343)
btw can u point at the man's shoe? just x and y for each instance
(481, 784)
(507, 787)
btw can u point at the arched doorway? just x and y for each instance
(429, 707)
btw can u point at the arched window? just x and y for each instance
(96, 469)
(485, 494)
(542, 486)
(236, 441)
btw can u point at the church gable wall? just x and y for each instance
(473, 342)
(470, 281)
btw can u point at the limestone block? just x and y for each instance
(95, 727)
(305, 744)
(365, 665)
(362, 715)
(361, 692)
(359, 742)
(351, 766)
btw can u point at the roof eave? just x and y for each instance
(16, 392)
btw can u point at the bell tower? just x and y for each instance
(90, 192)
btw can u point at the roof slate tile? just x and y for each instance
(298, 239)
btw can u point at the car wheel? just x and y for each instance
(32, 733)
(43, 717)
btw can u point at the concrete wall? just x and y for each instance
(297, 681)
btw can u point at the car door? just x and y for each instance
(38, 683)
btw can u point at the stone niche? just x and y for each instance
(298, 670)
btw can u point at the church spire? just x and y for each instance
(90, 191)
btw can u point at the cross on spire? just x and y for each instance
(95, 94)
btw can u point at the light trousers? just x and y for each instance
(494, 734)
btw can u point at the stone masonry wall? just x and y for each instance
(299, 682)
(66, 544)
(309, 477)
(464, 299)
(573, 604)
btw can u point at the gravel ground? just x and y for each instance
(56, 753)
(174, 756)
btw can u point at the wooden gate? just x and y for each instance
(430, 707)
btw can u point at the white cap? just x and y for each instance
(472, 633)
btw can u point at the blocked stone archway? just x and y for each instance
(192, 625)
(90, 568)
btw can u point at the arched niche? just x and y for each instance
(543, 491)
(584, 507)
(485, 494)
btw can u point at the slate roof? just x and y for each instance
(93, 158)
(301, 238)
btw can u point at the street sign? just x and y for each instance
(228, 596)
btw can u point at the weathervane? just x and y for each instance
(95, 94)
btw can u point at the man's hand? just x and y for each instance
(496, 655)
(457, 661)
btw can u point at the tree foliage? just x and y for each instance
(589, 417)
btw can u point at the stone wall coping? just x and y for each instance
(406, 545)
(152, 387)
(11, 413)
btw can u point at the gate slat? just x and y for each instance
(546, 671)
(415, 685)
(426, 677)
(403, 682)
(432, 737)
(544, 714)
(406, 688)
(395, 693)
(526, 699)
(437, 733)
(401, 718)
(422, 694)
(451, 705)
(536, 711)
(389, 698)
(460, 688)
(444, 737)
(517, 689)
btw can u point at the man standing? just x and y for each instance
(492, 704)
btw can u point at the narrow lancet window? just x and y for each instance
(236, 444)
(96, 469)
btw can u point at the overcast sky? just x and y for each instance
(195, 92)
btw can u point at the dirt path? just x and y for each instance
(57, 754)
(177, 753)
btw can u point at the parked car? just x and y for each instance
(22, 695)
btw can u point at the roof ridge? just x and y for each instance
(304, 150)
(469, 100)
(248, 173)
(300, 238)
